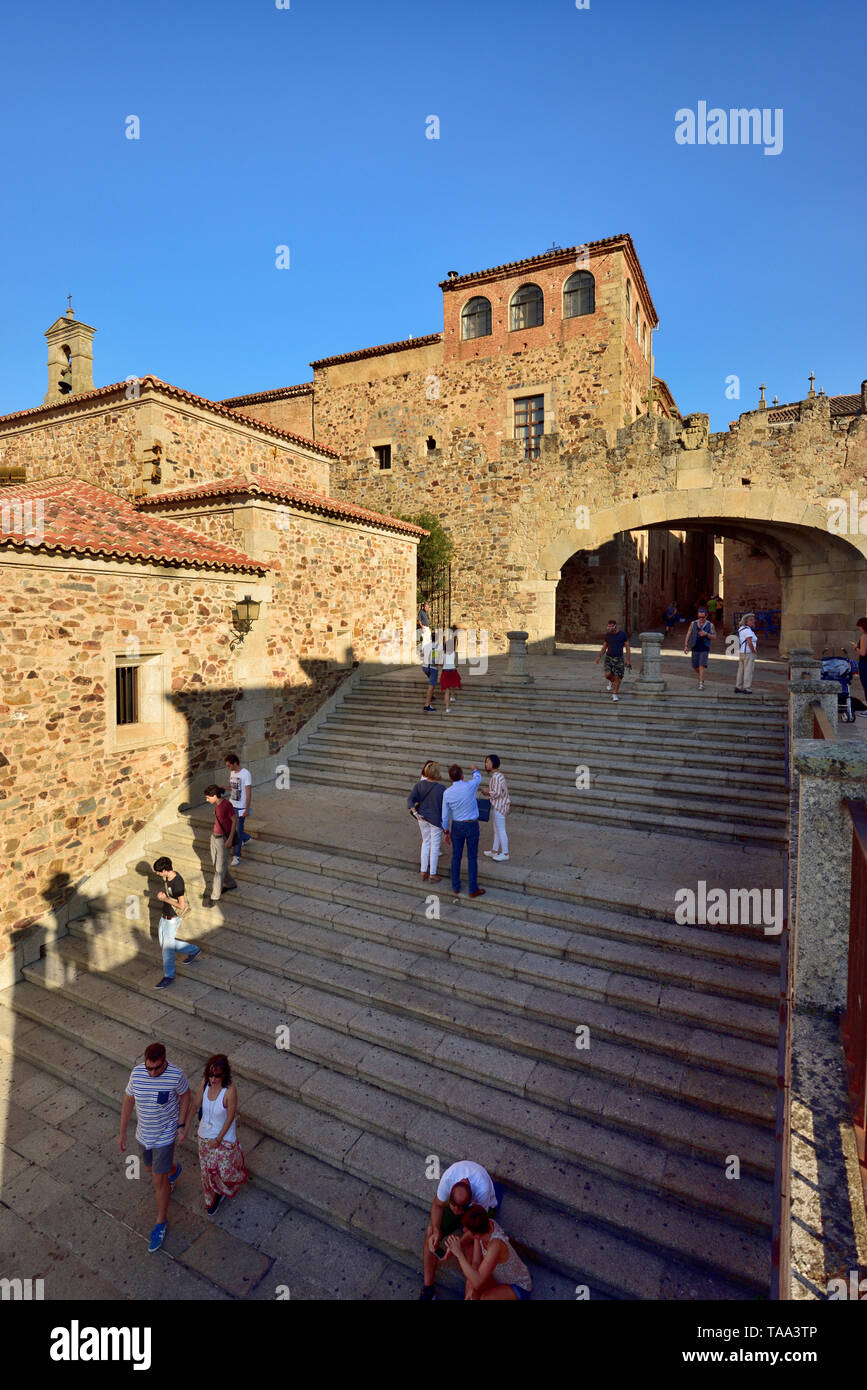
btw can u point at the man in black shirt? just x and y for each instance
(176, 905)
(615, 649)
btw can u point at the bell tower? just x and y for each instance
(70, 357)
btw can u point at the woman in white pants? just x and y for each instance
(499, 796)
(425, 802)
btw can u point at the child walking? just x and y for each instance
(500, 804)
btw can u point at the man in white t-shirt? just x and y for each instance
(461, 1186)
(240, 791)
(747, 656)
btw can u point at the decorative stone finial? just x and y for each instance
(811, 391)
(70, 312)
(763, 405)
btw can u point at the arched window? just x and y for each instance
(629, 299)
(579, 295)
(637, 324)
(476, 318)
(644, 339)
(527, 309)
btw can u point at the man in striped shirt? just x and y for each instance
(160, 1094)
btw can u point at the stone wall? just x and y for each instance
(291, 413)
(751, 580)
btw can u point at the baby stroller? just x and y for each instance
(842, 669)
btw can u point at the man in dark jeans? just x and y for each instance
(461, 826)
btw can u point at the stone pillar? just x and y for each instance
(801, 697)
(516, 669)
(828, 774)
(651, 671)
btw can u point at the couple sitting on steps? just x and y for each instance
(462, 1228)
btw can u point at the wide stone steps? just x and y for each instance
(766, 783)
(532, 1021)
(735, 823)
(620, 785)
(372, 1133)
(691, 956)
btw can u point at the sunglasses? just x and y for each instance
(156, 1066)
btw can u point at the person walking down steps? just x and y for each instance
(498, 794)
(222, 838)
(176, 908)
(699, 636)
(615, 650)
(450, 680)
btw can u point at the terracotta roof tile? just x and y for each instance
(119, 388)
(243, 487)
(849, 404)
(79, 519)
(379, 351)
(281, 394)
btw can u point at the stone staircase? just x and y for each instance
(689, 764)
(415, 1037)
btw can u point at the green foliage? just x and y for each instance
(435, 549)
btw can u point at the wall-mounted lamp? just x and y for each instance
(156, 472)
(244, 614)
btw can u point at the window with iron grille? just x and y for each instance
(530, 423)
(476, 318)
(527, 309)
(579, 295)
(383, 455)
(127, 694)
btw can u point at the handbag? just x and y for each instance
(484, 806)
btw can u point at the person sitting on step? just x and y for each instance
(492, 1268)
(462, 1185)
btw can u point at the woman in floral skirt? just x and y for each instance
(220, 1155)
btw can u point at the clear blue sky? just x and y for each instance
(305, 127)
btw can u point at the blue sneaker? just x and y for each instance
(189, 957)
(173, 1179)
(158, 1235)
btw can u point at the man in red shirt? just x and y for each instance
(223, 834)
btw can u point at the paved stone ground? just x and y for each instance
(829, 1225)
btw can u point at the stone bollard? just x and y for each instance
(803, 665)
(828, 773)
(517, 667)
(651, 671)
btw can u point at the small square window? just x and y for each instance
(382, 454)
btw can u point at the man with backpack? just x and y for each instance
(747, 655)
(699, 636)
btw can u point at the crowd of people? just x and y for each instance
(452, 814)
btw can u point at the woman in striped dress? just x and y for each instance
(500, 803)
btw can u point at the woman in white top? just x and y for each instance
(220, 1155)
(451, 677)
(492, 1268)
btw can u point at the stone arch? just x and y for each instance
(824, 575)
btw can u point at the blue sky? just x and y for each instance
(305, 127)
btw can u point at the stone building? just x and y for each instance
(534, 427)
(134, 520)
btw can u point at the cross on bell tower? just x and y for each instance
(70, 357)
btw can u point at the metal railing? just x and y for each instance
(854, 1023)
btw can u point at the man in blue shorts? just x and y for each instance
(160, 1094)
(615, 649)
(700, 634)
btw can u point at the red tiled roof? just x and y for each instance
(379, 351)
(281, 394)
(177, 392)
(840, 405)
(243, 487)
(554, 257)
(76, 518)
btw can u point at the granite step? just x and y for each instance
(395, 1161)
